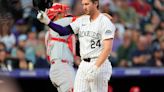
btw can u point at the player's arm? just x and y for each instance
(60, 29)
(107, 44)
(107, 37)
(43, 18)
(107, 48)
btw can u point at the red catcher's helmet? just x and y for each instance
(55, 9)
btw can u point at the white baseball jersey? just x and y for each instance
(91, 36)
(92, 33)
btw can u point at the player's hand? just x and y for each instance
(92, 73)
(43, 18)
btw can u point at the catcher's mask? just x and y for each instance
(55, 9)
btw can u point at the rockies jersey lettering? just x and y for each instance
(92, 33)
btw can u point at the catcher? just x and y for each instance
(59, 53)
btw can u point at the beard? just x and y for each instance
(86, 12)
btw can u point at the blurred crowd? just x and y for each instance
(139, 36)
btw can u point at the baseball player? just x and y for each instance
(96, 33)
(59, 54)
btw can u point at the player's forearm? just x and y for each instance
(101, 59)
(60, 29)
(105, 52)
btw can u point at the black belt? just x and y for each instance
(87, 59)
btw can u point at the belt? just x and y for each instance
(87, 59)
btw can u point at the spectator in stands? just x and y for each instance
(116, 44)
(162, 49)
(128, 15)
(29, 51)
(21, 27)
(77, 10)
(117, 3)
(159, 8)
(152, 24)
(3, 56)
(2, 46)
(12, 6)
(162, 45)
(124, 51)
(149, 37)
(32, 38)
(6, 22)
(142, 8)
(159, 33)
(105, 6)
(66, 2)
(157, 59)
(140, 55)
(151, 2)
(135, 36)
(6, 63)
(23, 62)
(161, 24)
(158, 54)
(117, 41)
(16, 9)
(116, 20)
(40, 50)
(112, 5)
(27, 6)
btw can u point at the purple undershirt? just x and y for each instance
(60, 29)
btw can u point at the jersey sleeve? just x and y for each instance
(75, 25)
(108, 29)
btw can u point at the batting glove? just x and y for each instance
(92, 73)
(43, 18)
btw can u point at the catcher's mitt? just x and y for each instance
(42, 4)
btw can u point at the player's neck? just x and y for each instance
(94, 15)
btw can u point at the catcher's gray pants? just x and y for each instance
(62, 75)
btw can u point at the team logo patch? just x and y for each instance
(108, 32)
